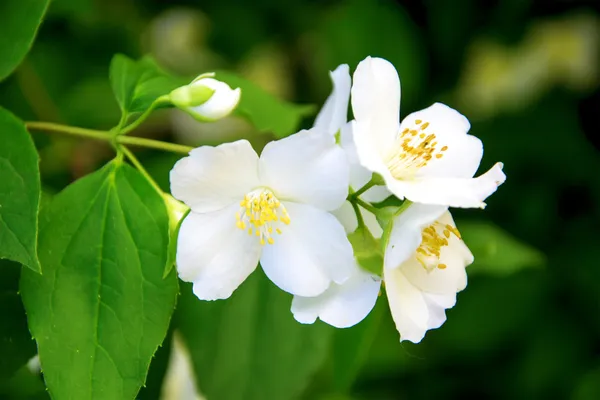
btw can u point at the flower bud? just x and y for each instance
(206, 99)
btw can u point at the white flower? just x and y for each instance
(428, 158)
(273, 209)
(344, 305)
(333, 120)
(205, 98)
(424, 268)
(422, 284)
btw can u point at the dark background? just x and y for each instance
(526, 73)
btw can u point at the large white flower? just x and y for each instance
(273, 209)
(424, 268)
(429, 157)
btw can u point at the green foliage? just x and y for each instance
(351, 347)
(367, 250)
(264, 111)
(19, 22)
(16, 345)
(249, 346)
(19, 192)
(102, 307)
(496, 251)
(137, 84)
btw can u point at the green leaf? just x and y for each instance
(101, 307)
(249, 346)
(351, 347)
(266, 112)
(16, 346)
(367, 250)
(496, 251)
(19, 192)
(19, 22)
(137, 84)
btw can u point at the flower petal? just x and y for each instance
(215, 255)
(405, 236)
(462, 152)
(370, 154)
(450, 280)
(409, 309)
(334, 113)
(341, 306)
(376, 97)
(359, 175)
(220, 104)
(452, 192)
(311, 252)
(345, 214)
(414, 312)
(307, 167)
(211, 178)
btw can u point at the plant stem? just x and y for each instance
(107, 137)
(363, 189)
(365, 205)
(154, 144)
(136, 163)
(144, 116)
(359, 217)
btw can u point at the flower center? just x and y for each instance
(433, 239)
(261, 213)
(413, 150)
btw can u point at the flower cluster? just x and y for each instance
(292, 207)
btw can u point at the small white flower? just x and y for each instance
(422, 284)
(273, 209)
(333, 120)
(425, 262)
(428, 158)
(205, 98)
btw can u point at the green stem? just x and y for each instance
(366, 205)
(363, 189)
(136, 163)
(107, 137)
(359, 217)
(144, 116)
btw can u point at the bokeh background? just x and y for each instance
(525, 72)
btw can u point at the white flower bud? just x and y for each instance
(206, 99)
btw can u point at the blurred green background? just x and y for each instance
(525, 72)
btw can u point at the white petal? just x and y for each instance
(359, 175)
(347, 217)
(415, 311)
(462, 153)
(214, 254)
(311, 252)
(211, 178)
(371, 155)
(450, 280)
(409, 309)
(307, 167)
(453, 192)
(376, 97)
(437, 305)
(221, 103)
(334, 113)
(405, 236)
(342, 305)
